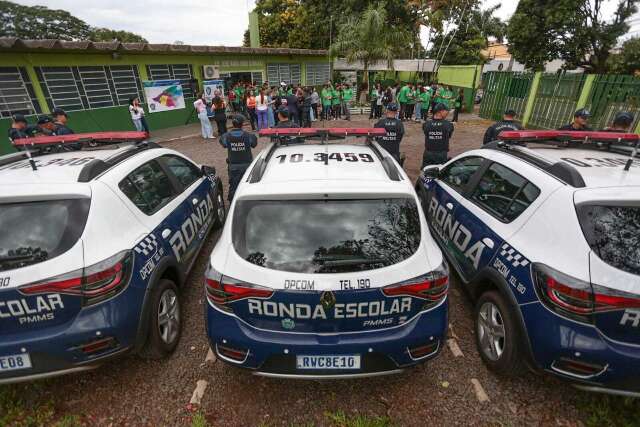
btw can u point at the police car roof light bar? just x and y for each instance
(82, 138)
(569, 136)
(321, 132)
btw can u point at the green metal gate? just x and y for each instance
(504, 90)
(610, 94)
(556, 100)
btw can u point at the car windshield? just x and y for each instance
(326, 236)
(613, 232)
(34, 232)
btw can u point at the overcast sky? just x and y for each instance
(217, 22)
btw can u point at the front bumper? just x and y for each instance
(555, 340)
(273, 353)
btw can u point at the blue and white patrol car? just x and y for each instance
(94, 246)
(544, 230)
(326, 268)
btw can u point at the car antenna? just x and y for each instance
(627, 166)
(31, 161)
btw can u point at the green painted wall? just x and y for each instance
(117, 118)
(465, 77)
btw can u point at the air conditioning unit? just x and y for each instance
(211, 71)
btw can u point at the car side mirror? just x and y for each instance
(431, 171)
(208, 170)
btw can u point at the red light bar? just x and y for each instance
(568, 135)
(81, 137)
(323, 132)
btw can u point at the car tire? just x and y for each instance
(498, 335)
(165, 321)
(221, 212)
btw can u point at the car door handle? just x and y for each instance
(194, 201)
(488, 243)
(449, 205)
(166, 233)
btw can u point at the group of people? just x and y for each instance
(414, 101)
(55, 124)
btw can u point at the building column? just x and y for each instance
(533, 91)
(33, 77)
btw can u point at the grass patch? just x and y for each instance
(340, 419)
(23, 406)
(602, 409)
(199, 420)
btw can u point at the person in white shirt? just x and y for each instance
(200, 106)
(262, 105)
(137, 115)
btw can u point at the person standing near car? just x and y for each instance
(315, 102)
(347, 96)
(437, 133)
(507, 123)
(457, 105)
(395, 131)
(19, 128)
(580, 121)
(238, 144)
(206, 129)
(137, 115)
(327, 94)
(219, 113)
(60, 122)
(621, 123)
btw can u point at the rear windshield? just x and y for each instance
(38, 231)
(613, 232)
(334, 236)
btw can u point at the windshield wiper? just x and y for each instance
(21, 257)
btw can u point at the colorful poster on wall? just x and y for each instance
(164, 95)
(210, 86)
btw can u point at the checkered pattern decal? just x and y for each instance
(147, 246)
(514, 257)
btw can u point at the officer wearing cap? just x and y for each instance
(395, 131)
(437, 133)
(238, 144)
(506, 124)
(60, 121)
(580, 118)
(621, 122)
(283, 119)
(46, 126)
(19, 128)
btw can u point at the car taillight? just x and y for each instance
(96, 283)
(223, 290)
(432, 286)
(576, 298)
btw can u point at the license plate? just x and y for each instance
(15, 362)
(328, 362)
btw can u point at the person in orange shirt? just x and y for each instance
(251, 109)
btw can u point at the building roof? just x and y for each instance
(20, 45)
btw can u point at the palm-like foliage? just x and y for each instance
(364, 38)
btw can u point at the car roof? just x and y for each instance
(337, 175)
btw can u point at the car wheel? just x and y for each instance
(165, 321)
(498, 336)
(221, 212)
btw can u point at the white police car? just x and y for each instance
(547, 240)
(326, 267)
(94, 247)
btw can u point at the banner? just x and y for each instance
(210, 86)
(164, 95)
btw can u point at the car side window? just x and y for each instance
(148, 187)
(459, 173)
(185, 172)
(504, 193)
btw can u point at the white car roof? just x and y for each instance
(309, 177)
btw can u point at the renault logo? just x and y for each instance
(328, 300)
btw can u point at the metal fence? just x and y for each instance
(556, 100)
(611, 94)
(504, 91)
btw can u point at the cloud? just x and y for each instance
(219, 22)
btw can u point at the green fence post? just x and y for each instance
(586, 91)
(531, 98)
(42, 100)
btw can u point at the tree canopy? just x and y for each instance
(39, 22)
(628, 60)
(572, 30)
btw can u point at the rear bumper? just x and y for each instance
(555, 340)
(272, 353)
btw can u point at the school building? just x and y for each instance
(93, 81)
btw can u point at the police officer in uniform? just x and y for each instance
(283, 119)
(45, 126)
(60, 121)
(580, 119)
(238, 144)
(19, 128)
(437, 133)
(395, 131)
(506, 124)
(621, 122)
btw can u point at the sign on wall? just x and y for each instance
(164, 95)
(210, 86)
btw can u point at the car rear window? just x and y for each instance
(34, 232)
(326, 236)
(613, 233)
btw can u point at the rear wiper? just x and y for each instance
(22, 256)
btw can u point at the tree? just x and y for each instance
(572, 30)
(360, 39)
(628, 60)
(39, 22)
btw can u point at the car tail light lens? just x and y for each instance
(423, 350)
(431, 287)
(94, 284)
(223, 290)
(576, 298)
(235, 354)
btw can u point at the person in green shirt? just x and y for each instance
(457, 105)
(402, 100)
(326, 95)
(411, 102)
(335, 103)
(347, 96)
(422, 103)
(373, 98)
